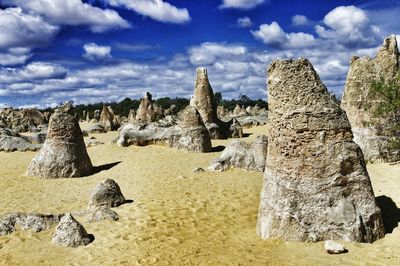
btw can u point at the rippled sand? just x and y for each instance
(201, 219)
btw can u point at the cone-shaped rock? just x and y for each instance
(63, 153)
(107, 119)
(203, 101)
(70, 233)
(194, 135)
(359, 105)
(316, 186)
(148, 111)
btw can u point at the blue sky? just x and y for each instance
(105, 50)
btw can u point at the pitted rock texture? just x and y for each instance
(70, 233)
(316, 186)
(190, 134)
(63, 154)
(23, 120)
(203, 101)
(359, 105)
(240, 154)
(33, 221)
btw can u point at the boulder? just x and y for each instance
(95, 128)
(316, 185)
(359, 105)
(108, 194)
(63, 153)
(12, 141)
(240, 154)
(70, 233)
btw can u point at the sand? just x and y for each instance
(177, 218)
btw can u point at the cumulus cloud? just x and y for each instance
(72, 12)
(274, 36)
(208, 52)
(95, 52)
(244, 22)
(24, 30)
(299, 20)
(349, 26)
(156, 9)
(241, 4)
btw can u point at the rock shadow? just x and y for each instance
(104, 167)
(390, 213)
(218, 148)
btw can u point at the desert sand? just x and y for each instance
(177, 218)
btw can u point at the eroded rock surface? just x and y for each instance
(70, 233)
(23, 120)
(64, 153)
(148, 111)
(33, 221)
(359, 105)
(12, 141)
(316, 186)
(189, 134)
(240, 154)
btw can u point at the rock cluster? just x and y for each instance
(24, 120)
(64, 153)
(148, 111)
(190, 134)
(240, 154)
(359, 105)
(105, 196)
(70, 233)
(12, 141)
(33, 221)
(203, 101)
(316, 186)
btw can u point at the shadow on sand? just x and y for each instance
(218, 148)
(390, 213)
(104, 167)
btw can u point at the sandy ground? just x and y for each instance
(201, 219)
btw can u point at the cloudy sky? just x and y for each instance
(105, 50)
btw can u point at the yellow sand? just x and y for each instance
(201, 219)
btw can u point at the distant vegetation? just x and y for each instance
(387, 106)
(122, 108)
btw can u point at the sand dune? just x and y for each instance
(198, 219)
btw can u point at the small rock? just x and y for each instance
(108, 194)
(181, 177)
(101, 213)
(70, 233)
(334, 247)
(198, 170)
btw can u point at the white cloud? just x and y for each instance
(94, 51)
(244, 22)
(73, 12)
(273, 35)
(156, 9)
(350, 27)
(208, 53)
(19, 77)
(299, 20)
(241, 4)
(24, 30)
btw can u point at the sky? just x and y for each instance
(89, 51)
